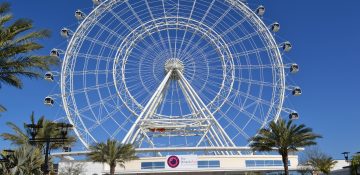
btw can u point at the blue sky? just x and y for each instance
(325, 38)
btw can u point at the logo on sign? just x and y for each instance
(173, 161)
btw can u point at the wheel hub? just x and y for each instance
(174, 64)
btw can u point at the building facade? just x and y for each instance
(192, 164)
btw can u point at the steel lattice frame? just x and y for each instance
(114, 81)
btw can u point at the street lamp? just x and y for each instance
(346, 156)
(63, 129)
(6, 159)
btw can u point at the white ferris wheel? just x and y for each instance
(173, 74)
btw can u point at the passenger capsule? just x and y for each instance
(96, 2)
(286, 46)
(49, 101)
(67, 149)
(79, 15)
(49, 76)
(55, 53)
(260, 11)
(297, 91)
(294, 68)
(65, 32)
(293, 116)
(275, 27)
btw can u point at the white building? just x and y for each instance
(193, 164)
(341, 168)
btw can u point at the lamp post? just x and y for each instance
(6, 159)
(63, 129)
(346, 156)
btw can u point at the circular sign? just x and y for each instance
(173, 161)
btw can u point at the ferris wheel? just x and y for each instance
(173, 73)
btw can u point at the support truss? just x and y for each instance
(201, 126)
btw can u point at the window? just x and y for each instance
(202, 164)
(263, 163)
(281, 173)
(214, 164)
(269, 162)
(158, 165)
(279, 163)
(250, 163)
(152, 165)
(209, 164)
(259, 162)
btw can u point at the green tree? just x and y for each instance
(18, 41)
(355, 165)
(48, 130)
(25, 160)
(7, 165)
(317, 161)
(285, 137)
(322, 163)
(113, 153)
(72, 168)
(20, 138)
(28, 160)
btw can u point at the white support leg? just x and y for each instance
(230, 142)
(207, 125)
(156, 95)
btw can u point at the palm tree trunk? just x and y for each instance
(112, 169)
(285, 160)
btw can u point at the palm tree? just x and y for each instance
(317, 161)
(28, 160)
(20, 137)
(113, 153)
(6, 166)
(322, 164)
(48, 130)
(355, 165)
(25, 160)
(17, 42)
(285, 137)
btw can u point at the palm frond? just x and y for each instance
(4, 19)
(18, 138)
(33, 36)
(17, 44)
(20, 25)
(13, 49)
(27, 160)
(11, 80)
(4, 7)
(2, 108)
